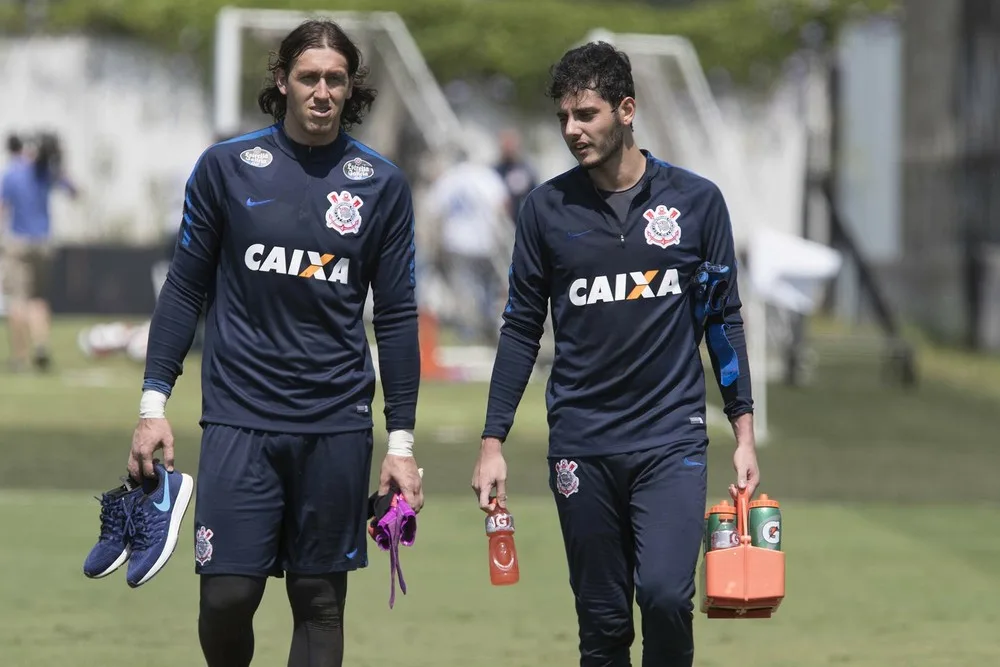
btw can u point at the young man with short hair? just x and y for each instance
(636, 258)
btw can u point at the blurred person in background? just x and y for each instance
(25, 243)
(517, 174)
(617, 248)
(469, 204)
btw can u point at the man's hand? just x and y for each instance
(745, 457)
(401, 473)
(490, 471)
(150, 435)
(747, 473)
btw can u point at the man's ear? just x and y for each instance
(281, 80)
(626, 110)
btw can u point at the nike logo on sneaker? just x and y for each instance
(251, 203)
(164, 504)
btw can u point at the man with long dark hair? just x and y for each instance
(284, 230)
(636, 257)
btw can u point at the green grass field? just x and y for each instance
(890, 500)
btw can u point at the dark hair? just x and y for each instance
(14, 144)
(596, 66)
(48, 159)
(315, 34)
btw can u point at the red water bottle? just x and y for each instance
(503, 556)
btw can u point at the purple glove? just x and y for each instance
(398, 525)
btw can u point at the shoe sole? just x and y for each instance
(122, 558)
(176, 519)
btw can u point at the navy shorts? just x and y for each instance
(269, 503)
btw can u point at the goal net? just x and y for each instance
(679, 121)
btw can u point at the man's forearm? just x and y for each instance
(743, 430)
(399, 368)
(171, 333)
(515, 360)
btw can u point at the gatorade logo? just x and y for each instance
(725, 539)
(503, 556)
(771, 532)
(501, 521)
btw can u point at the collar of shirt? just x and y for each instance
(303, 153)
(652, 170)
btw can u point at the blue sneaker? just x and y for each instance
(156, 522)
(114, 544)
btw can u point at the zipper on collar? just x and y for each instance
(646, 181)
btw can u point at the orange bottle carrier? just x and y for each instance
(742, 581)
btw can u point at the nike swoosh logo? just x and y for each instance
(164, 504)
(352, 554)
(692, 464)
(571, 235)
(252, 203)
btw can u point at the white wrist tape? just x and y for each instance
(152, 405)
(401, 443)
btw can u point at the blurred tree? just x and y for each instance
(654, 3)
(517, 39)
(673, 3)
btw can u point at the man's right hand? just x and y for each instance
(490, 472)
(150, 435)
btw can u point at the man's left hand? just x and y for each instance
(402, 473)
(747, 473)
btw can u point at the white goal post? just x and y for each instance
(404, 66)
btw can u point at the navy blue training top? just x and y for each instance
(627, 374)
(282, 241)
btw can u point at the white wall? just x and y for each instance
(132, 123)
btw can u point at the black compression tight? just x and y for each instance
(318, 613)
(225, 618)
(228, 604)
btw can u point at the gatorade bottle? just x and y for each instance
(765, 523)
(720, 527)
(726, 535)
(503, 556)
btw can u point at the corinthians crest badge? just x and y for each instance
(662, 229)
(567, 483)
(203, 545)
(343, 214)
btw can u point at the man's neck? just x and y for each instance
(300, 136)
(620, 172)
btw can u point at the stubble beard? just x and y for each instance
(610, 146)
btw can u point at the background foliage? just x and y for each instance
(518, 39)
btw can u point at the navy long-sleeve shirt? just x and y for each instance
(281, 242)
(627, 373)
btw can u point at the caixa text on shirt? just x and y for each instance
(624, 287)
(298, 263)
